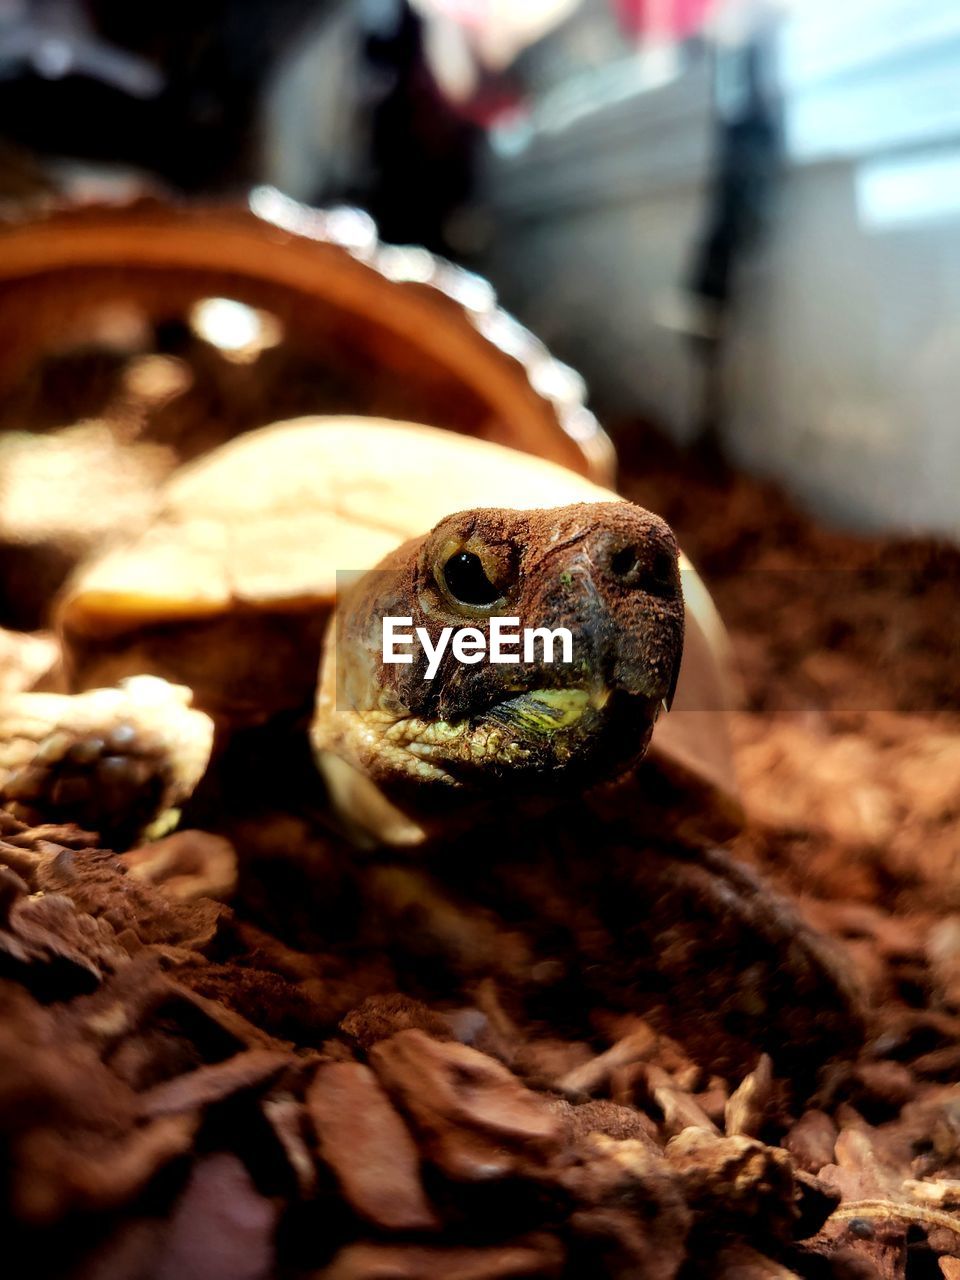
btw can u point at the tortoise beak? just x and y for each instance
(674, 678)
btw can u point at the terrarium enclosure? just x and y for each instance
(625, 320)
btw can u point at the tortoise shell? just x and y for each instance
(230, 588)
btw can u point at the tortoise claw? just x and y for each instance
(110, 760)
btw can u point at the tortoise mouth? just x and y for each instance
(545, 711)
(542, 734)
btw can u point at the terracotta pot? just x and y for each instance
(402, 333)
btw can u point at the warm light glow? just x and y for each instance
(239, 331)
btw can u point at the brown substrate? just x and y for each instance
(578, 1058)
(848, 651)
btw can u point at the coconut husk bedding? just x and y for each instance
(259, 1056)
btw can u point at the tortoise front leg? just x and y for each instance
(115, 761)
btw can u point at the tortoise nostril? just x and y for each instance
(624, 562)
(651, 569)
(663, 569)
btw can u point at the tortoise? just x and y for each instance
(228, 594)
(204, 634)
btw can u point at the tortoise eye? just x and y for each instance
(466, 580)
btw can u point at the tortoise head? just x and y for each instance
(505, 651)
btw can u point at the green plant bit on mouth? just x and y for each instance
(547, 710)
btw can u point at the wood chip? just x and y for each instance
(594, 1075)
(680, 1110)
(215, 1082)
(747, 1106)
(368, 1147)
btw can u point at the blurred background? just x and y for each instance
(736, 218)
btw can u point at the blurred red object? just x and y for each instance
(674, 19)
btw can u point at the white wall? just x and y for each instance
(844, 376)
(844, 373)
(594, 227)
(844, 369)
